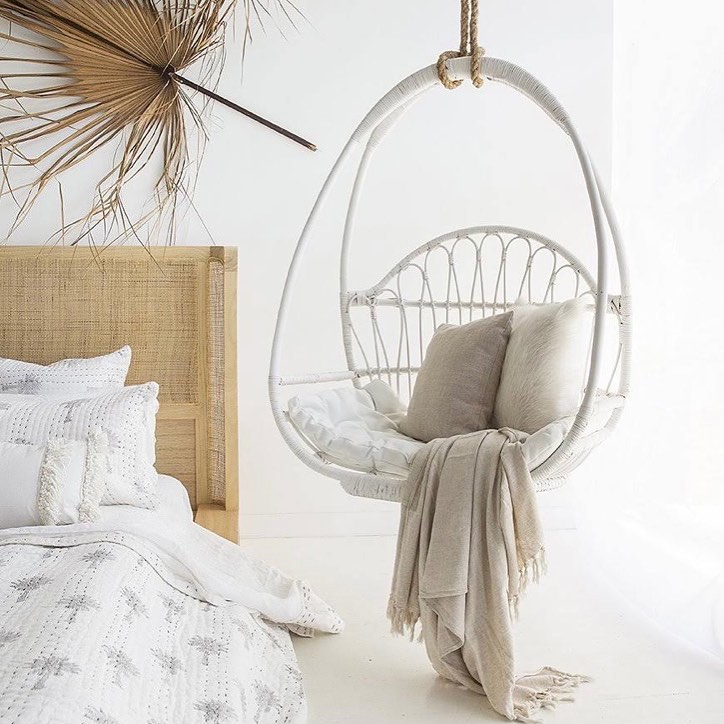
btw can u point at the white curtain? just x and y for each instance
(655, 516)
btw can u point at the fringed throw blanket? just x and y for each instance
(470, 540)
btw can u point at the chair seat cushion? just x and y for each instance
(356, 428)
(359, 429)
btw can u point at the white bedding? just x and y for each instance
(130, 623)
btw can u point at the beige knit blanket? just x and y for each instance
(470, 539)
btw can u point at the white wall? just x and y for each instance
(670, 189)
(459, 158)
(654, 514)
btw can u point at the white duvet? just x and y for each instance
(129, 623)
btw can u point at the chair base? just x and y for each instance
(390, 489)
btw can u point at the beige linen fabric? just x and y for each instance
(470, 537)
(455, 389)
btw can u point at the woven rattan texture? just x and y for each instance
(60, 308)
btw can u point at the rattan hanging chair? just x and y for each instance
(393, 351)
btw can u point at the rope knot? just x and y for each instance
(469, 12)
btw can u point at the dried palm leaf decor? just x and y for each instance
(78, 75)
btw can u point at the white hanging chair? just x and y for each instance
(392, 348)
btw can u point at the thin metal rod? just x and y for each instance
(240, 109)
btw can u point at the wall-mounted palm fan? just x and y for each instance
(77, 76)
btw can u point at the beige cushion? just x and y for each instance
(545, 364)
(456, 386)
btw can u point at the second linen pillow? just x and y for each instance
(545, 365)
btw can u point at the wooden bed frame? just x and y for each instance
(176, 308)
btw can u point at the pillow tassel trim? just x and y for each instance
(93, 485)
(51, 480)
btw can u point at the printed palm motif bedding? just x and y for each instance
(127, 626)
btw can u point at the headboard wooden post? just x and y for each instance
(224, 519)
(176, 308)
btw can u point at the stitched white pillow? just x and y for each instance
(53, 484)
(127, 416)
(67, 377)
(545, 364)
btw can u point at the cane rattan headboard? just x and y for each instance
(176, 308)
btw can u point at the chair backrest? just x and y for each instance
(456, 278)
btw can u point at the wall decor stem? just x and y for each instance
(244, 111)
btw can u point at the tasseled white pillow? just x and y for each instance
(57, 483)
(545, 364)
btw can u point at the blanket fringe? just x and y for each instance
(560, 690)
(532, 570)
(403, 620)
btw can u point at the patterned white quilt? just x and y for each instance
(113, 627)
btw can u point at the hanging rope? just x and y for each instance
(469, 13)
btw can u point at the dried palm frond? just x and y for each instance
(85, 74)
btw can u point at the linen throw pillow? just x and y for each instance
(455, 389)
(128, 418)
(545, 364)
(67, 377)
(58, 483)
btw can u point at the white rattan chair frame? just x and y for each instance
(374, 127)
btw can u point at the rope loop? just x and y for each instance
(442, 72)
(469, 14)
(476, 64)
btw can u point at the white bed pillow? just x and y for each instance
(53, 484)
(127, 416)
(67, 377)
(173, 504)
(545, 364)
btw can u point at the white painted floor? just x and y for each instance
(366, 676)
